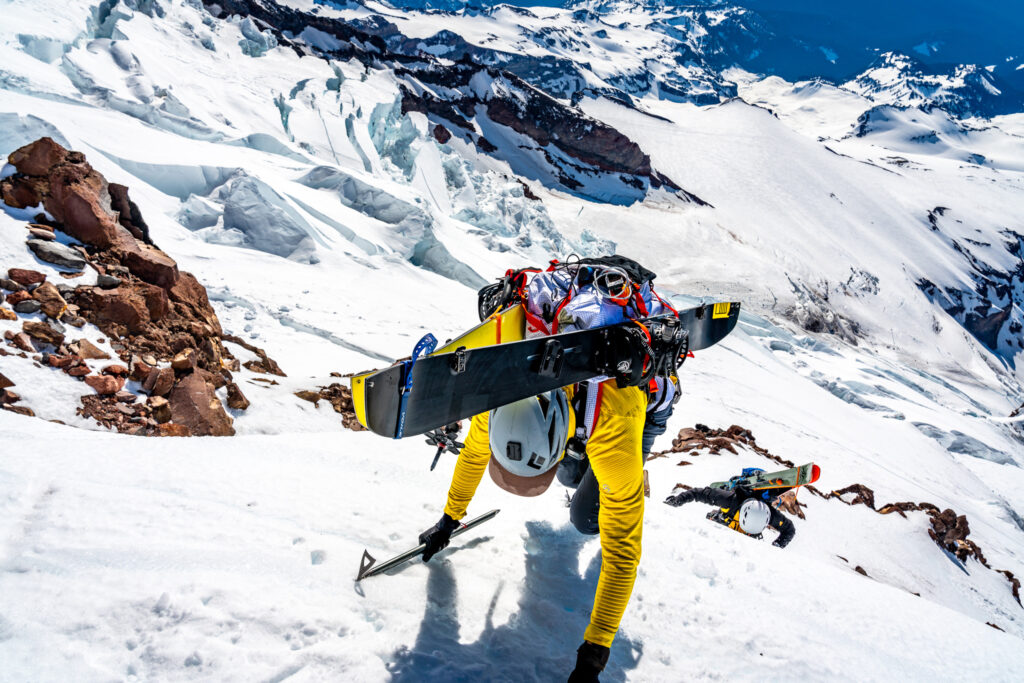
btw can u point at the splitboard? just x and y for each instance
(415, 396)
(783, 479)
(502, 327)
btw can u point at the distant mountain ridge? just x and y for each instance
(686, 46)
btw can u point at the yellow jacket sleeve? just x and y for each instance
(469, 468)
(614, 450)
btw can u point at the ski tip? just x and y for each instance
(815, 473)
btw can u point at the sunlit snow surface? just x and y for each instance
(234, 559)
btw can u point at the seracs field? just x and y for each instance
(343, 177)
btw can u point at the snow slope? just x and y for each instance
(334, 231)
(234, 559)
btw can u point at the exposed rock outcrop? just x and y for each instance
(949, 530)
(195, 406)
(340, 398)
(158, 318)
(692, 441)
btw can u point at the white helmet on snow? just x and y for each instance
(754, 516)
(527, 441)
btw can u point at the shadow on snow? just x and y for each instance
(539, 641)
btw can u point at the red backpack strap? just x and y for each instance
(534, 323)
(638, 302)
(664, 303)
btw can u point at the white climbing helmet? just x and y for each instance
(527, 441)
(754, 516)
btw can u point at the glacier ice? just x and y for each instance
(257, 217)
(255, 43)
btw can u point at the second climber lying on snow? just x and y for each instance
(740, 509)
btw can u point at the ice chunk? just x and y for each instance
(263, 219)
(176, 180)
(255, 43)
(197, 213)
(965, 444)
(363, 197)
(44, 49)
(269, 144)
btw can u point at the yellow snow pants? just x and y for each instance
(614, 452)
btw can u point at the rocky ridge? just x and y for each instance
(158, 319)
(573, 144)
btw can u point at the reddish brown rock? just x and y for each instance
(140, 370)
(26, 277)
(4, 382)
(8, 396)
(42, 332)
(23, 192)
(116, 370)
(159, 408)
(78, 199)
(20, 410)
(37, 158)
(185, 361)
(121, 306)
(17, 297)
(151, 265)
(861, 495)
(265, 364)
(157, 302)
(79, 371)
(128, 214)
(195, 405)
(105, 384)
(340, 398)
(86, 349)
(45, 235)
(188, 294)
(7, 314)
(53, 304)
(236, 399)
(20, 340)
(171, 429)
(63, 362)
(159, 382)
(441, 134)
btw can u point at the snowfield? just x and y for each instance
(333, 230)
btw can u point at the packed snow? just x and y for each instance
(334, 231)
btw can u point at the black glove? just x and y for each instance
(590, 661)
(437, 537)
(743, 492)
(680, 499)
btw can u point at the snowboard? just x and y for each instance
(783, 479)
(502, 327)
(434, 389)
